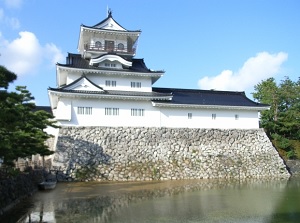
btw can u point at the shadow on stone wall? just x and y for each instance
(79, 158)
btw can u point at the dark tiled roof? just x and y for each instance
(43, 108)
(115, 93)
(76, 61)
(183, 96)
(208, 97)
(137, 93)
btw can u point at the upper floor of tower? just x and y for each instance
(107, 36)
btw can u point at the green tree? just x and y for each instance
(282, 121)
(6, 77)
(267, 92)
(21, 128)
(289, 118)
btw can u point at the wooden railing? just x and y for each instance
(94, 47)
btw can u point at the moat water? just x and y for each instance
(260, 200)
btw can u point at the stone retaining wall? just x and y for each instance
(120, 154)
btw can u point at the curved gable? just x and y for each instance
(111, 58)
(83, 84)
(110, 24)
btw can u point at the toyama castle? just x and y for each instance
(104, 85)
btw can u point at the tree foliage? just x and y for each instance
(21, 128)
(282, 121)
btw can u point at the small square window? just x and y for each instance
(213, 116)
(80, 110)
(109, 83)
(137, 112)
(136, 84)
(88, 110)
(112, 111)
(84, 110)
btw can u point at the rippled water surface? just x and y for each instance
(164, 201)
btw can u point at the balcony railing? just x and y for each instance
(94, 47)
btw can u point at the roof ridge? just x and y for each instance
(200, 90)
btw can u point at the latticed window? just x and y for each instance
(110, 65)
(80, 110)
(111, 111)
(136, 84)
(137, 112)
(84, 110)
(88, 110)
(109, 83)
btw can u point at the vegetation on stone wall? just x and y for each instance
(282, 121)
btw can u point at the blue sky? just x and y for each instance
(201, 44)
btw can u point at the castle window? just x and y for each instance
(98, 44)
(88, 110)
(110, 65)
(213, 116)
(80, 110)
(84, 110)
(112, 111)
(109, 83)
(190, 115)
(137, 112)
(120, 46)
(136, 84)
(109, 45)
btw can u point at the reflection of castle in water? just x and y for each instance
(40, 214)
(206, 196)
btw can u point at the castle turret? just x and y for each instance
(107, 37)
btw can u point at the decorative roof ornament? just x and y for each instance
(109, 13)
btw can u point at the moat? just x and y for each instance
(255, 200)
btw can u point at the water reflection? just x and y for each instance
(167, 201)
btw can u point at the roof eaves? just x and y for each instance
(97, 94)
(170, 104)
(112, 30)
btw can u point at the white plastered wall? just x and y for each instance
(122, 83)
(157, 116)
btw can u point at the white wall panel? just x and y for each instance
(159, 117)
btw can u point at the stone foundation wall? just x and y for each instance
(120, 154)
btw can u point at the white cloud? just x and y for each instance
(255, 69)
(53, 53)
(25, 55)
(12, 22)
(13, 3)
